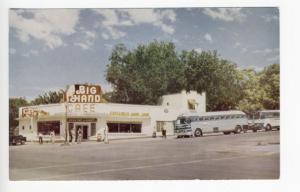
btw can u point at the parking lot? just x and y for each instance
(234, 156)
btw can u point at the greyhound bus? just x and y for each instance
(266, 120)
(197, 124)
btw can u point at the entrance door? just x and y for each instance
(84, 129)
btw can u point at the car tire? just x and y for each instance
(268, 127)
(198, 132)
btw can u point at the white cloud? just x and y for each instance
(266, 51)
(225, 14)
(88, 39)
(237, 44)
(105, 36)
(12, 51)
(269, 18)
(199, 50)
(30, 53)
(244, 50)
(47, 25)
(208, 37)
(275, 58)
(115, 18)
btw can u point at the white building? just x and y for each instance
(122, 120)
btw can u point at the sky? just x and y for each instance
(52, 48)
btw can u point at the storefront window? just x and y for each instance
(124, 127)
(136, 128)
(45, 127)
(113, 127)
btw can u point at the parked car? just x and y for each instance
(17, 139)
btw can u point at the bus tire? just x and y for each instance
(198, 132)
(238, 129)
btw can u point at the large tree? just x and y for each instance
(219, 78)
(144, 74)
(14, 105)
(270, 82)
(49, 97)
(253, 92)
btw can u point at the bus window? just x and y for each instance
(206, 118)
(211, 118)
(200, 118)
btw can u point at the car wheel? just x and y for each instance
(198, 132)
(268, 127)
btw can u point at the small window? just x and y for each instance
(200, 118)
(206, 118)
(222, 117)
(211, 118)
(29, 127)
(217, 117)
(23, 127)
(227, 117)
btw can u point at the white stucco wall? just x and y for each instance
(172, 106)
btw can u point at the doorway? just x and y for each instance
(84, 129)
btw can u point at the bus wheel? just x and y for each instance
(238, 129)
(198, 132)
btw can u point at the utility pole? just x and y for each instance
(66, 143)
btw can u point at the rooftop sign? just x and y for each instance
(81, 93)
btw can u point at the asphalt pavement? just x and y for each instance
(235, 156)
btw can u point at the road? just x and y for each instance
(240, 156)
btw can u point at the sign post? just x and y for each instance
(66, 143)
(80, 94)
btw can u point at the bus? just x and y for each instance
(266, 120)
(197, 124)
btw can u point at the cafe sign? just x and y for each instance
(82, 93)
(31, 112)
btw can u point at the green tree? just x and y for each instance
(219, 78)
(49, 97)
(14, 105)
(143, 75)
(253, 93)
(270, 81)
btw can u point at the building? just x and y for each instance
(122, 120)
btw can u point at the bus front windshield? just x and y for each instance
(182, 121)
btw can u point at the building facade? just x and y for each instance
(121, 120)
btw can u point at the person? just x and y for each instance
(52, 136)
(79, 136)
(40, 138)
(72, 136)
(164, 131)
(106, 135)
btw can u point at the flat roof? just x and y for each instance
(233, 112)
